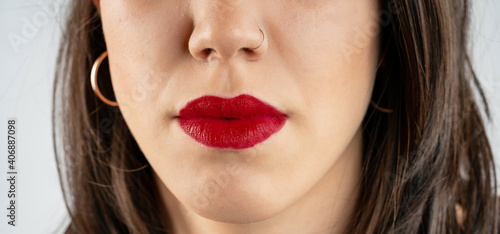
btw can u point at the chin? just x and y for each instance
(239, 202)
(240, 212)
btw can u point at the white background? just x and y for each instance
(26, 87)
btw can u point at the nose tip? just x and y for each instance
(225, 43)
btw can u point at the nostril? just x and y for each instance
(207, 51)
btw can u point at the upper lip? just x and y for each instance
(242, 106)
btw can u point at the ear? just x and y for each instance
(97, 4)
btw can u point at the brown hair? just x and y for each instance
(420, 163)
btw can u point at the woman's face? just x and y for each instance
(316, 64)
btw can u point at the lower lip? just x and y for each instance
(232, 133)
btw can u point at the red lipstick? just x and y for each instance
(239, 122)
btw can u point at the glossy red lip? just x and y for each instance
(240, 122)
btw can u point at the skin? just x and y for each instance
(317, 64)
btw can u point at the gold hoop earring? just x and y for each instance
(93, 80)
(380, 108)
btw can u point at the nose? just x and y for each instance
(225, 30)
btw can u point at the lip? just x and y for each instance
(239, 122)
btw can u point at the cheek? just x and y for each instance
(334, 64)
(341, 91)
(134, 32)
